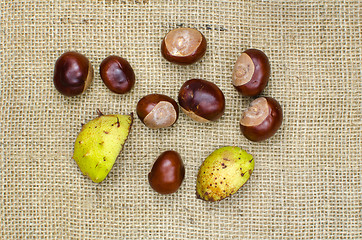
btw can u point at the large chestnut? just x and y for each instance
(167, 173)
(117, 74)
(262, 119)
(201, 100)
(251, 72)
(157, 111)
(73, 73)
(183, 46)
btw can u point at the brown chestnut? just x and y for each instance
(157, 111)
(262, 119)
(251, 72)
(201, 100)
(73, 73)
(117, 74)
(167, 173)
(183, 46)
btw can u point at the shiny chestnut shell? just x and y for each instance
(117, 74)
(201, 100)
(251, 72)
(73, 73)
(167, 173)
(157, 111)
(262, 119)
(183, 46)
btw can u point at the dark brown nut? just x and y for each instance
(117, 74)
(157, 111)
(251, 72)
(167, 173)
(73, 73)
(201, 100)
(183, 46)
(262, 119)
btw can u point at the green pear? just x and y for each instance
(99, 143)
(223, 173)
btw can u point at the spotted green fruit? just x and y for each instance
(99, 143)
(223, 173)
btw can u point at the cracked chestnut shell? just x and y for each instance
(262, 119)
(73, 73)
(183, 46)
(167, 173)
(201, 100)
(157, 111)
(251, 72)
(117, 74)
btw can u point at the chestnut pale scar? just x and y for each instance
(243, 70)
(183, 41)
(162, 115)
(256, 113)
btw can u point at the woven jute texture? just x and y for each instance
(307, 178)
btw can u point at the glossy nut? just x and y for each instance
(201, 100)
(117, 74)
(73, 73)
(251, 72)
(157, 111)
(183, 46)
(262, 119)
(167, 173)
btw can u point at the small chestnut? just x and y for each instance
(167, 173)
(157, 111)
(201, 100)
(183, 46)
(251, 72)
(73, 73)
(262, 119)
(117, 74)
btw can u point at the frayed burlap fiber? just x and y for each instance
(307, 178)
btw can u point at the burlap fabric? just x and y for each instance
(307, 179)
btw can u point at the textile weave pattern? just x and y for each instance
(307, 178)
